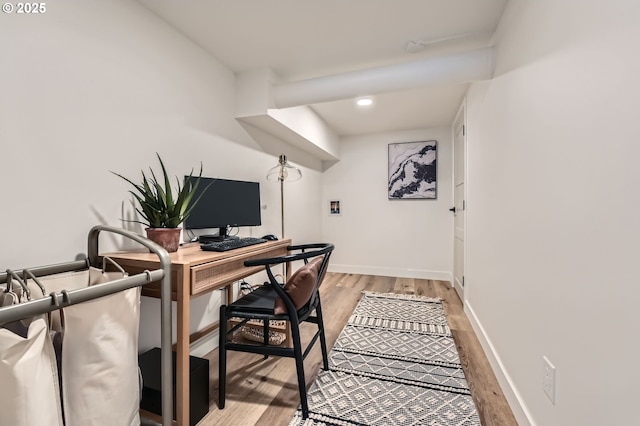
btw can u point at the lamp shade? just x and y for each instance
(284, 171)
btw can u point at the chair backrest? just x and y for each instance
(307, 251)
(315, 298)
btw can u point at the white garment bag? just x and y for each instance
(97, 383)
(29, 388)
(99, 366)
(100, 383)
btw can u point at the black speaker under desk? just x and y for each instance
(149, 363)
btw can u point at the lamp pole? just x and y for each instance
(283, 171)
(281, 178)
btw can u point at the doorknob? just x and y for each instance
(453, 209)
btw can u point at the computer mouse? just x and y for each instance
(270, 237)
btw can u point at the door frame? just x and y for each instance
(461, 115)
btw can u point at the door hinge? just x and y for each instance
(463, 281)
(464, 205)
(464, 130)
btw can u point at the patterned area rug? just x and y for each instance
(394, 363)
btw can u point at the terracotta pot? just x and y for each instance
(168, 238)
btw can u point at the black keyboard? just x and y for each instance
(230, 244)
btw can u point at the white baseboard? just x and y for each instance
(391, 272)
(205, 344)
(519, 408)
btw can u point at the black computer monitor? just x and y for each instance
(224, 203)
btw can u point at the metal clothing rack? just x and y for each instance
(66, 298)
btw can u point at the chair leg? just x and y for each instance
(222, 357)
(265, 331)
(297, 350)
(323, 341)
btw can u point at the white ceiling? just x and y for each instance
(302, 39)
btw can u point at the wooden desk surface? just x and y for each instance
(190, 254)
(209, 270)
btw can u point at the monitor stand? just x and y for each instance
(221, 236)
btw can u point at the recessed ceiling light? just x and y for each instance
(364, 101)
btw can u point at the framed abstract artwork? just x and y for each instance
(412, 170)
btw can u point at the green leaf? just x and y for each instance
(155, 198)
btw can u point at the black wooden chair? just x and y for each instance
(293, 302)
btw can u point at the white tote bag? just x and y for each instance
(99, 367)
(100, 384)
(29, 388)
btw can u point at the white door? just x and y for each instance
(459, 137)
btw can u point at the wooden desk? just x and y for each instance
(195, 272)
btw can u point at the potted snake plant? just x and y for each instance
(162, 211)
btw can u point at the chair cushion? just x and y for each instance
(299, 287)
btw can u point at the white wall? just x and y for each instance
(553, 209)
(90, 87)
(375, 235)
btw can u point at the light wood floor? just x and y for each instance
(264, 392)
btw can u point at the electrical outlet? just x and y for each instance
(549, 379)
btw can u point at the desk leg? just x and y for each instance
(182, 352)
(229, 295)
